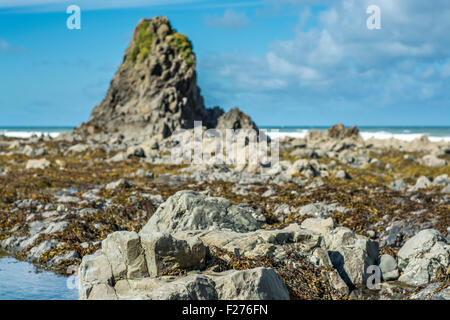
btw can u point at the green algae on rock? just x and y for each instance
(144, 42)
(183, 47)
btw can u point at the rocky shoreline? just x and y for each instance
(61, 202)
(107, 201)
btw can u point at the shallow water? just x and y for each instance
(22, 281)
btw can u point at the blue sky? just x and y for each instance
(284, 62)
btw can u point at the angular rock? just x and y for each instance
(125, 255)
(78, 148)
(321, 209)
(432, 292)
(446, 189)
(165, 253)
(189, 210)
(262, 243)
(193, 287)
(309, 169)
(422, 256)
(432, 160)
(441, 180)
(251, 284)
(35, 253)
(121, 183)
(322, 226)
(102, 291)
(38, 164)
(398, 185)
(339, 132)
(94, 269)
(421, 243)
(235, 119)
(342, 174)
(388, 266)
(351, 254)
(421, 183)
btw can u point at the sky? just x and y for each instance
(284, 62)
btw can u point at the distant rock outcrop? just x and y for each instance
(235, 119)
(155, 87)
(154, 92)
(339, 132)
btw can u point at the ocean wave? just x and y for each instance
(27, 134)
(273, 134)
(384, 135)
(366, 135)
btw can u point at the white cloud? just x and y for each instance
(230, 20)
(339, 59)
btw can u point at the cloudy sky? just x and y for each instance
(285, 62)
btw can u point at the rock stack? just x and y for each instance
(154, 92)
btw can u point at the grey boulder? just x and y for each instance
(190, 210)
(422, 256)
(351, 254)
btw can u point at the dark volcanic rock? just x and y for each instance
(339, 132)
(154, 90)
(235, 119)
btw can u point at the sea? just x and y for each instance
(405, 133)
(20, 280)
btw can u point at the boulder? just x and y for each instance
(432, 160)
(78, 148)
(351, 254)
(251, 284)
(441, 180)
(192, 287)
(121, 183)
(125, 254)
(388, 266)
(189, 210)
(135, 151)
(421, 183)
(32, 152)
(432, 292)
(343, 175)
(38, 164)
(94, 269)
(322, 226)
(446, 189)
(307, 168)
(260, 243)
(421, 243)
(339, 132)
(35, 253)
(321, 209)
(398, 185)
(422, 256)
(164, 253)
(235, 119)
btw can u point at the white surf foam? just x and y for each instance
(27, 134)
(381, 135)
(273, 134)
